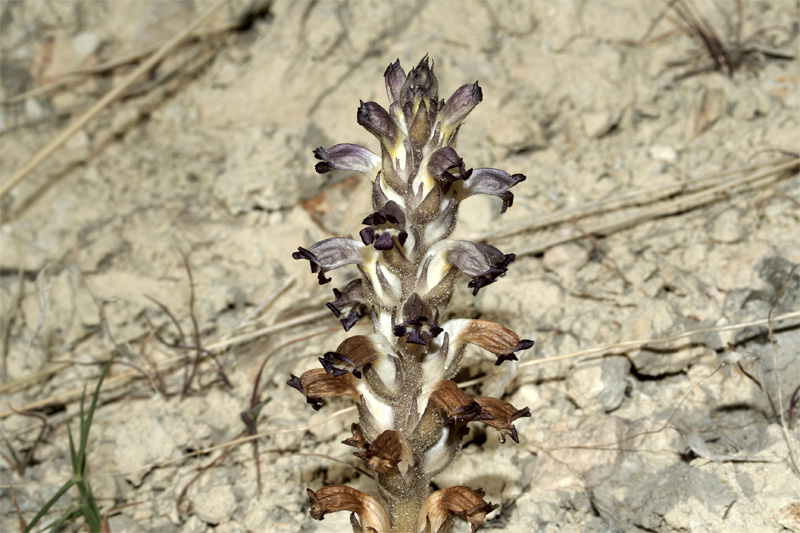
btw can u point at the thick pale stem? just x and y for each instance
(404, 506)
(406, 494)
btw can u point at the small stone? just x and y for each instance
(84, 45)
(120, 522)
(517, 133)
(568, 256)
(598, 123)
(712, 105)
(213, 501)
(585, 384)
(660, 152)
(659, 318)
(528, 395)
(599, 385)
(727, 227)
(34, 108)
(615, 382)
(752, 104)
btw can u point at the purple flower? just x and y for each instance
(458, 107)
(420, 324)
(446, 165)
(481, 262)
(350, 157)
(349, 304)
(492, 182)
(330, 254)
(384, 225)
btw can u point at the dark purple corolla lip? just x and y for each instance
(349, 304)
(523, 344)
(384, 226)
(446, 165)
(481, 262)
(330, 254)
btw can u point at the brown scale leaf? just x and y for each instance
(357, 440)
(504, 414)
(351, 356)
(461, 501)
(494, 337)
(335, 498)
(387, 452)
(459, 407)
(491, 336)
(318, 384)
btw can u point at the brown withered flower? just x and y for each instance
(412, 416)
(335, 498)
(461, 501)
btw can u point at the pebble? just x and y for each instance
(214, 502)
(660, 152)
(568, 256)
(656, 319)
(598, 123)
(84, 45)
(599, 385)
(727, 227)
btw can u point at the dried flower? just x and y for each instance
(412, 416)
(334, 498)
(460, 501)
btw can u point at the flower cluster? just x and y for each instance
(412, 416)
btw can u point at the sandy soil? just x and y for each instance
(660, 204)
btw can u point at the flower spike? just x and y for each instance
(412, 415)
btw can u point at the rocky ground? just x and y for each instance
(662, 202)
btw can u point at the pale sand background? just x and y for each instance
(211, 154)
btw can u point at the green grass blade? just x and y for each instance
(84, 434)
(87, 424)
(71, 512)
(89, 507)
(73, 454)
(49, 504)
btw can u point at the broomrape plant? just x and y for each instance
(412, 416)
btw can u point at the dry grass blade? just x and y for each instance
(297, 321)
(236, 442)
(699, 26)
(728, 48)
(771, 335)
(692, 201)
(593, 351)
(639, 343)
(8, 323)
(250, 417)
(109, 97)
(20, 465)
(172, 364)
(243, 21)
(631, 198)
(260, 307)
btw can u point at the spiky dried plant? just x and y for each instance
(412, 416)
